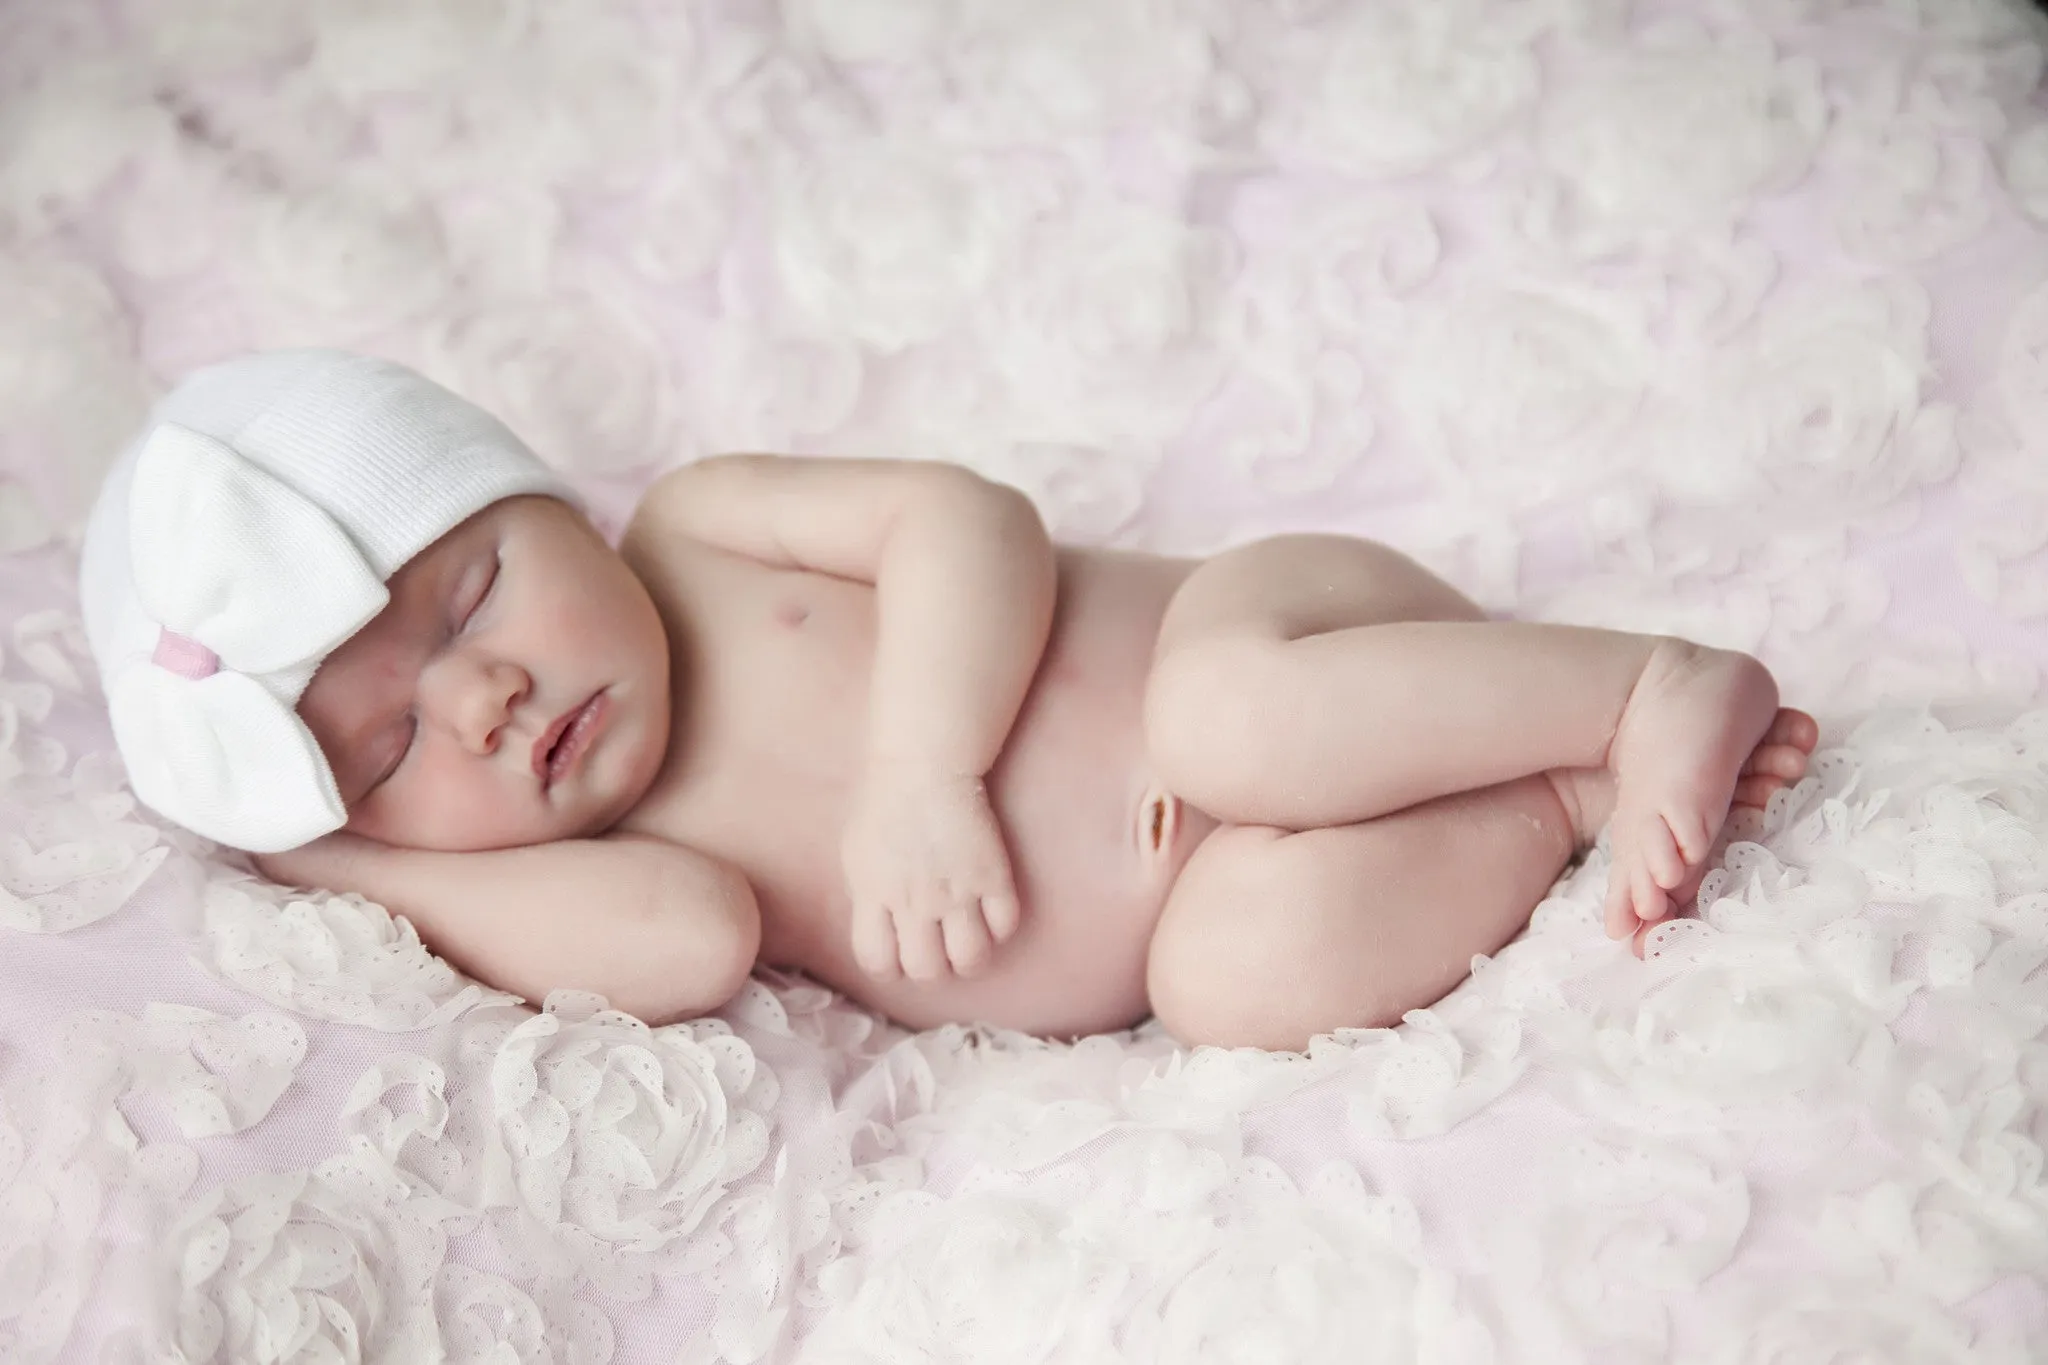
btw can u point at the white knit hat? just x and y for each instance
(242, 536)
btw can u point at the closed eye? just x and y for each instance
(401, 748)
(476, 591)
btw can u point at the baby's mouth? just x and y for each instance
(565, 741)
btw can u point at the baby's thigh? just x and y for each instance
(1269, 937)
(1287, 587)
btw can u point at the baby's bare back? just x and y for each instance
(772, 669)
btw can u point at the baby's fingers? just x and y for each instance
(968, 946)
(923, 947)
(1001, 913)
(874, 942)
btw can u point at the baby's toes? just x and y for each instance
(1618, 913)
(874, 943)
(1777, 760)
(1639, 942)
(1633, 893)
(1648, 899)
(1793, 728)
(1664, 849)
(1756, 790)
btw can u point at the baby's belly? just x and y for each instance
(1095, 843)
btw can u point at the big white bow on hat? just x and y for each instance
(247, 578)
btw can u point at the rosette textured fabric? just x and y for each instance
(1727, 318)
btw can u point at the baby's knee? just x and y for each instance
(1207, 716)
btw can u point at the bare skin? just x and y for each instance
(920, 754)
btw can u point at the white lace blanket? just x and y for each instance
(1728, 318)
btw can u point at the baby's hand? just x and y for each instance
(927, 873)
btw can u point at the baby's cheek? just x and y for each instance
(442, 805)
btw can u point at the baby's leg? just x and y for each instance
(1269, 937)
(1312, 681)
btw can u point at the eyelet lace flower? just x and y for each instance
(855, 31)
(584, 383)
(66, 1156)
(331, 957)
(1068, 68)
(580, 99)
(28, 757)
(220, 37)
(1161, 1250)
(1823, 384)
(75, 855)
(1620, 1231)
(215, 1075)
(1308, 1271)
(52, 643)
(388, 46)
(1087, 496)
(1678, 129)
(595, 1141)
(1305, 323)
(298, 1266)
(1090, 327)
(1426, 1078)
(486, 1320)
(361, 253)
(62, 334)
(886, 240)
(22, 524)
(1908, 155)
(2026, 171)
(173, 225)
(688, 214)
(1381, 92)
(928, 1294)
(1745, 1022)
(1503, 382)
(69, 131)
(1861, 1322)
(763, 388)
(2023, 367)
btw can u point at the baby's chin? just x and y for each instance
(421, 830)
(574, 820)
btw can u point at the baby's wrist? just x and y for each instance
(922, 768)
(333, 861)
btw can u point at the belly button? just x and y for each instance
(1158, 821)
(792, 614)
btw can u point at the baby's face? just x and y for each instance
(514, 691)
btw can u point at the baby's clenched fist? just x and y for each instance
(927, 873)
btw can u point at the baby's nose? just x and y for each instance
(481, 703)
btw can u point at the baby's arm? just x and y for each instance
(965, 579)
(661, 931)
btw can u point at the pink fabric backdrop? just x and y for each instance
(1727, 317)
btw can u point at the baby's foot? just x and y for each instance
(1701, 731)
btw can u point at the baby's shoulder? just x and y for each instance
(653, 519)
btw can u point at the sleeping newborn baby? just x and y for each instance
(863, 720)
